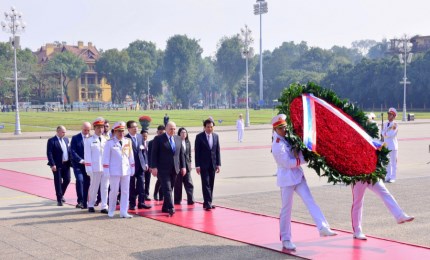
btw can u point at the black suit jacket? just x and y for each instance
(205, 157)
(162, 156)
(137, 152)
(77, 150)
(55, 153)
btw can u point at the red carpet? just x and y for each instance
(247, 227)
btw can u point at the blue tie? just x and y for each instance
(172, 144)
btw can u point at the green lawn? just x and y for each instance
(47, 121)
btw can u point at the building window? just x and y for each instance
(91, 79)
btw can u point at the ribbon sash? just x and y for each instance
(309, 123)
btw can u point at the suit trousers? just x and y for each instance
(208, 180)
(99, 180)
(137, 189)
(167, 181)
(303, 191)
(188, 185)
(115, 183)
(358, 199)
(392, 166)
(158, 193)
(147, 183)
(61, 181)
(82, 184)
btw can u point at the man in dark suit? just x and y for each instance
(78, 164)
(207, 160)
(58, 154)
(168, 160)
(158, 194)
(137, 182)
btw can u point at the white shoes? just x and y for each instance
(126, 215)
(360, 236)
(404, 218)
(287, 244)
(326, 231)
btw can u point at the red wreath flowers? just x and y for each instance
(342, 154)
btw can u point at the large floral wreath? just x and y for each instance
(342, 155)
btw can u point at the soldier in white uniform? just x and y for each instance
(389, 132)
(379, 189)
(118, 163)
(240, 126)
(93, 156)
(290, 179)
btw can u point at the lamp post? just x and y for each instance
(261, 8)
(13, 24)
(405, 56)
(247, 53)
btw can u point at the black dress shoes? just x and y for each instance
(104, 211)
(190, 202)
(171, 212)
(132, 208)
(143, 206)
(79, 206)
(207, 208)
(59, 203)
(91, 209)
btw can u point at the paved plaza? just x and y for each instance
(33, 227)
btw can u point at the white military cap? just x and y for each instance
(279, 120)
(120, 125)
(393, 111)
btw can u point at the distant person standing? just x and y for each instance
(78, 163)
(118, 163)
(185, 179)
(166, 119)
(147, 173)
(58, 154)
(207, 160)
(240, 126)
(389, 132)
(93, 155)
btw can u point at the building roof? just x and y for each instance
(89, 53)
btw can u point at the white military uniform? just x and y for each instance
(240, 126)
(390, 138)
(290, 178)
(358, 199)
(118, 164)
(93, 156)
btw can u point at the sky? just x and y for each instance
(112, 24)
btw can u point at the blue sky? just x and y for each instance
(114, 24)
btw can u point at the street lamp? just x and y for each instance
(405, 56)
(261, 8)
(247, 53)
(13, 24)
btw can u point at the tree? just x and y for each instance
(230, 64)
(70, 65)
(181, 66)
(379, 50)
(363, 46)
(113, 64)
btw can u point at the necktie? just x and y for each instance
(209, 141)
(134, 141)
(172, 144)
(388, 125)
(120, 143)
(100, 139)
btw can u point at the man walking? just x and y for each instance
(207, 160)
(78, 164)
(58, 154)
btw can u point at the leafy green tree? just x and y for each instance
(230, 64)
(113, 64)
(379, 50)
(70, 65)
(181, 66)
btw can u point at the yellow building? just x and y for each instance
(91, 87)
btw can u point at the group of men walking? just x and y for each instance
(124, 164)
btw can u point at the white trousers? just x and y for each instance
(240, 134)
(115, 182)
(98, 179)
(303, 191)
(392, 166)
(358, 199)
